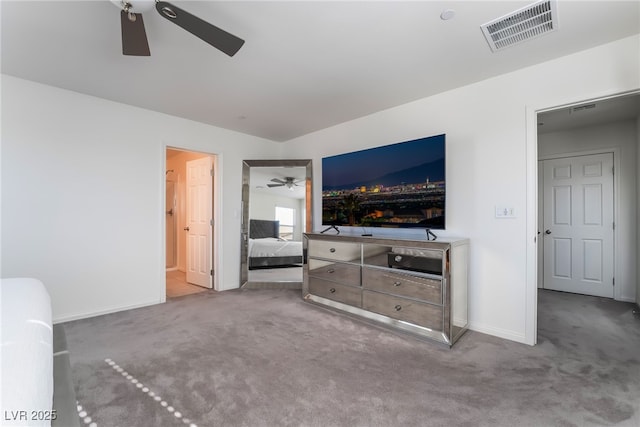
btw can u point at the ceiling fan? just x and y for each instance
(289, 182)
(134, 37)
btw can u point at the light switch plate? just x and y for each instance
(505, 212)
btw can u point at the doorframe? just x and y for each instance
(531, 158)
(616, 200)
(216, 211)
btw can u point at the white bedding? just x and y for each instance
(273, 247)
(27, 353)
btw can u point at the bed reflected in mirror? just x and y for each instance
(276, 197)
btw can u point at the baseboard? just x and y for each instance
(71, 317)
(497, 332)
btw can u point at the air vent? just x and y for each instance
(524, 24)
(583, 107)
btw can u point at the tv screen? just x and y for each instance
(399, 185)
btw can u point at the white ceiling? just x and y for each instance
(590, 114)
(305, 65)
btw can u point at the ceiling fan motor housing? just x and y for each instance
(137, 6)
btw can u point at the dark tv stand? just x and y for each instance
(329, 228)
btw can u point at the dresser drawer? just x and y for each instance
(345, 294)
(348, 274)
(415, 263)
(402, 284)
(427, 315)
(339, 251)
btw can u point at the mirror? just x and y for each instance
(276, 211)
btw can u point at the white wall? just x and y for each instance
(638, 218)
(621, 136)
(83, 195)
(489, 152)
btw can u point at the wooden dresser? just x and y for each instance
(415, 286)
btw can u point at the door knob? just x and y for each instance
(547, 232)
(186, 229)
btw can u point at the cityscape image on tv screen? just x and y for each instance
(399, 185)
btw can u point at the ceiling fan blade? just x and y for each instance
(274, 185)
(279, 181)
(216, 37)
(134, 37)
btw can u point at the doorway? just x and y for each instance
(595, 127)
(189, 219)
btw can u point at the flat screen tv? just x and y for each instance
(400, 185)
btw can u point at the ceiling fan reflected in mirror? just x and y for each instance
(289, 182)
(134, 37)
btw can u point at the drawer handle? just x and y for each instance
(332, 290)
(398, 307)
(397, 283)
(398, 258)
(332, 250)
(331, 270)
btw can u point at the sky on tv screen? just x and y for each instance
(347, 170)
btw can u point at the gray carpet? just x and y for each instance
(266, 358)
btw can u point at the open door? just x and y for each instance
(199, 224)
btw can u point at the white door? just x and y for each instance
(578, 224)
(170, 221)
(199, 222)
(539, 240)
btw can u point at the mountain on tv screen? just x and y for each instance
(399, 185)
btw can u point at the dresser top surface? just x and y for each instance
(439, 243)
